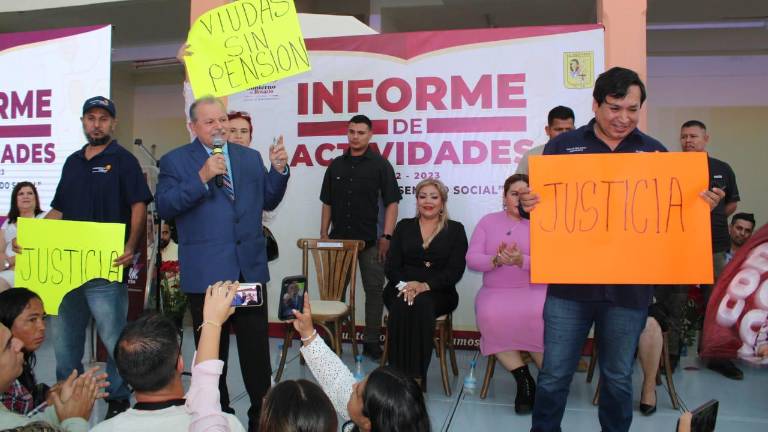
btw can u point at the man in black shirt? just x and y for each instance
(102, 182)
(741, 229)
(618, 312)
(694, 138)
(353, 185)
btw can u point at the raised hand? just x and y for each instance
(218, 301)
(278, 156)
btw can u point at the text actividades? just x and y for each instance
(645, 205)
(28, 153)
(467, 152)
(65, 266)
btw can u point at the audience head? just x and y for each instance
(513, 187)
(561, 119)
(431, 204)
(99, 120)
(240, 128)
(148, 354)
(617, 98)
(387, 401)
(208, 117)
(21, 310)
(741, 228)
(693, 136)
(24, 198)
(37, 426)
(359, 134)
(297, 406)
(11, 358)
(165, 234)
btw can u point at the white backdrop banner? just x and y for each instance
(462, 106)
(47, 75)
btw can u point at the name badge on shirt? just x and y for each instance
(101, 170)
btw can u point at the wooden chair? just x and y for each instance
(490, 368)
(664, 363)
(335, 264)
(443, 341)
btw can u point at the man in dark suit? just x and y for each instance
(220, 235)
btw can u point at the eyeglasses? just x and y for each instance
(239, 113)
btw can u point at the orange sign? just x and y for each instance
(631, 218)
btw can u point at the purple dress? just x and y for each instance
(508, 308)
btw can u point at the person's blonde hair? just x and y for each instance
(442, 218)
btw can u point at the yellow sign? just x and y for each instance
(244, 44)
(579, 69)
(59, 256)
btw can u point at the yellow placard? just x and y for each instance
(244, 44)
(59, 256)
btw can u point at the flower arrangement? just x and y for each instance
(173, 301)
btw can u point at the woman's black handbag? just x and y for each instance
(272, 250)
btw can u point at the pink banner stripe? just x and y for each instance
(11, 40)
(412, 44)
(25, 131)
(476, 124)
(335, 128)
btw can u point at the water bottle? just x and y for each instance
(359, 374)
(470, 382)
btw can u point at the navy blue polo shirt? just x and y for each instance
(101, 189)
(581, 141)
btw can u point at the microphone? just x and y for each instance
(218, 144)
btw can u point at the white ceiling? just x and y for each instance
(153, 26)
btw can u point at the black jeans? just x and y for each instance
(251, 329)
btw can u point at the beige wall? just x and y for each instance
(730, 95)
(737, 135)
(150, 106)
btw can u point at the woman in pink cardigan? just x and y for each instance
(508, 308)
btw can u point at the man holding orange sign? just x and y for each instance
(617, 308)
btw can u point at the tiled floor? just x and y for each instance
(743, 404)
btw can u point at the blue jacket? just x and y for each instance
(218, 239)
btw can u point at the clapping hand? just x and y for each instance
(77, 395)
(509, 255)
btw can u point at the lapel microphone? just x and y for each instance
(218, 144)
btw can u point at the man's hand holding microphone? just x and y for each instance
(216, 165)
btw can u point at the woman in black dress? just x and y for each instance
(425, 262)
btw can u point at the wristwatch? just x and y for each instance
(386, 236)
